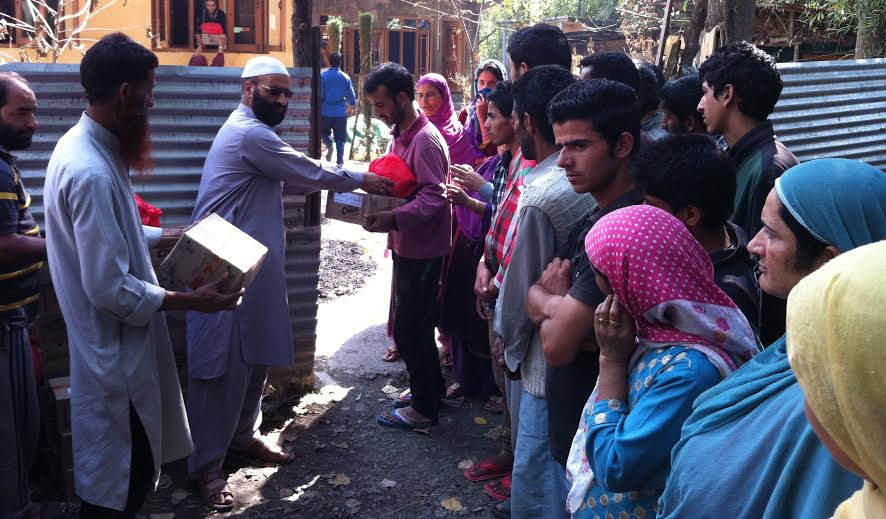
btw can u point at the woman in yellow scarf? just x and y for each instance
(835, 331)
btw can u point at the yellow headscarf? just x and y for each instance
(836, 340)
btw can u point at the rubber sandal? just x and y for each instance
(492, 467)
(263, 453)
(499, 490)
(395, 420)
(502, 509)
(215, 485)
(391, 354)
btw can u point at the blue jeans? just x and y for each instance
(537, 480)
(337, 127)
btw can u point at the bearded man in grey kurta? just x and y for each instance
(229, 354)
(127, 414)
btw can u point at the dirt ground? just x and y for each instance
(346, 465)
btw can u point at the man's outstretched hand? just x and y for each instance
(377, 185)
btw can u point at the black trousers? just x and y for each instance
(416, 287)
(141, 474)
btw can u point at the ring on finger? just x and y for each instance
(603, 320)
(613, 324)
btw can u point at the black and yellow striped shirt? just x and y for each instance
(18, 282)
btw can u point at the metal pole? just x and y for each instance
(659, 53)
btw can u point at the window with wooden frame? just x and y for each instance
(252, 25)
(407, 43)
(16, 12)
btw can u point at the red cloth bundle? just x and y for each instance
(211, 28)
(149, 214)
(393, 168)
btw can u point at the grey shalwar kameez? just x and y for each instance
(229, 352)
(119, 343)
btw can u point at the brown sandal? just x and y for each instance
(264, 452)
(215, 493)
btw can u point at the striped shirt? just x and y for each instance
(500, 233)
(18, 282)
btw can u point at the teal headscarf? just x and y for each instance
(839, 201)
(770, 463)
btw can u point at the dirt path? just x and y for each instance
(346, 465)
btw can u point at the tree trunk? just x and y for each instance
(692, 36)
(736, 18)
(301, 32)
(870, 41)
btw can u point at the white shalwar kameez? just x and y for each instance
(119, 344)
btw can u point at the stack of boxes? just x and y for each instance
(60, 452)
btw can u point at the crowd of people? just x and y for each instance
(614, 276)
(606, 257)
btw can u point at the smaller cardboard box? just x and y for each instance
(209, 249)
(354, 207)
(61, 393)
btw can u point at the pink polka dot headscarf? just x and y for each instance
(665, 280)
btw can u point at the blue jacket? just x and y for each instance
(336, 89)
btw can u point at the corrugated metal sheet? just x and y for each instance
(190, 105)
(834, 109)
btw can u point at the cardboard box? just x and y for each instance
(61, 393)
(213, 39)
(354, 207)
(208, 250)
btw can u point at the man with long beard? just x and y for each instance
(126, 407)
(229, 354)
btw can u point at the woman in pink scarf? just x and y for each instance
(435, 100)
(666, 334)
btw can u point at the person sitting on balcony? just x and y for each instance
(210, 28)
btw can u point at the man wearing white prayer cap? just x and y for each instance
(229, 353)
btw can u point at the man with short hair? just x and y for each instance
(616, 66)
(419, 236)
(741, 86)
(650, 97)
(597, 127)
(679, 106)
(127, 415)
(548, 208)
(22, 253)
(337, 93)
(540, 44)
(229, 353)
(690, 177)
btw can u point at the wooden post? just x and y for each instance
(301, 32)
(662, 38)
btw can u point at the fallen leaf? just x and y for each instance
(179, 495)
(466, 464)
(359, 396)
(389, 390)
(452, 504)
(387, 483)
(352, 503)
(340, 480)
(381, 400)
(479, 420)
(494, 433)
(339, 445)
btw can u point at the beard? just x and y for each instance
(135, 145)
(267, 112)
(13, 139)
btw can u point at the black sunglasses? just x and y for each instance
(276, 91)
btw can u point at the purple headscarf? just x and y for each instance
(460, 149)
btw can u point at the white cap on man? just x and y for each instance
(262, 66)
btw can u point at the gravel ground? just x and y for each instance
(344, 267)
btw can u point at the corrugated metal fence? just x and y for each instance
(834, 109)
(191, 104)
